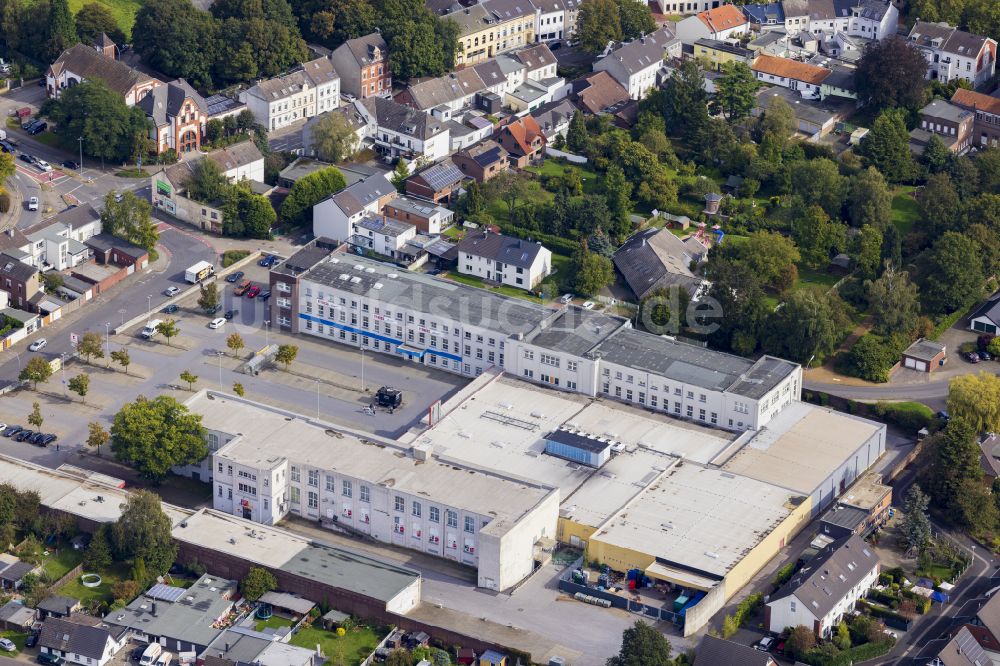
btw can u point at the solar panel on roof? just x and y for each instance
(163, 592)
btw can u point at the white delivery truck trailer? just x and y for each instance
(199, 272)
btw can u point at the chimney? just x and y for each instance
(153, 608)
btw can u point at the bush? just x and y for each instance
(230, 257)
(784, 574)
(4, 202)
(908, 416)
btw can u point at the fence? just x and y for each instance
(371, 658)
(569, 157)
(69, 575)
(618, 601)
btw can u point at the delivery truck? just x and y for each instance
(199, 272)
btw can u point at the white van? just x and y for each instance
(150, 654)
(165, 659)
(150, 329)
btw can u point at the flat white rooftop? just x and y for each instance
(802, 446)
(277, 434)
(699, 517)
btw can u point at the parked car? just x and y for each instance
(241, 288)
(42, 165)
(264, 295)
(230, 314)
(31, 640)
(7, 644)
(985, 356)
(972, 357)
(765, 644)
(23, 435)
(38, 128)
(28, 124)
(566, 298)
(170, 309)
(235, 277)
(25, 157)
(253, 291)
(33, 203)
(171, 291)
(48, 439)
(589, 305)
(50, 659)
(136, 653)
(12, 430)
(218, 322)
(36, 438)
(70, 164)
(38, 344)
(6, 147)
(3, 426)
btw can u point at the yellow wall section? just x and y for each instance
(755, 560)
(569, 529)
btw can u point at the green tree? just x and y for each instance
(62, 28)
(246, 214)
(239, 390)
(975, 399)
(597, 24)
(208, 299)
(618, 193)
(891, 73)
(866, 251)
(642, 645)
(235, 343)
(400, 173)
(187, 376)
(776, 125)
(770, 255)
(52, 281)
(309, 191)
(35, 418)
(80, 385)
(663, 311)
(682, 101)
(887, 146)
(155, 435)
(869, 200)
(592, 272)
(956, 460)
(95, 18)
(816, 235)
(168, 329)
(799, 641)
(97, 556)
(36, 370)
(740, 298)
(510, 187)
(142, 532)
(7, 166)
(114, 137)
(176, 38)
(332, 22)
(97, 436)
(577, 138)
(936, 156)
(214, 130)
(130, 219)
(951, 273)
(736, 92)
(940, 207)
(872, 356)
(122, 358)
(807, 325)
(843, 638)
(893, 302)
(207, 183)
(819, 182)
(90, 346)
(286, 355)
(635, 19)
(256, 583)
(334, 138)
(399, 657)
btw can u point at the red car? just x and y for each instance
(254, 290)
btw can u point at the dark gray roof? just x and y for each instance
(762, 376)
(924, 350)
(353, 198)
(576, 330)
(430, 93)
(237, 155)
(76, 634)
(871, 9)
(105, 242)
(403, 119)
(848, 517)
(990, 310)
(89, 63)
(720, 652)
(765, 13)
(17, 612)
(508, 10)
(579, 440)
(350, 571)
(643, 52)
(490, 73)
(167, 101)
(516, 252)
(12, 239)
(655, 259)
(315, 72)
(77, 216)
(11, 267)
(306, 258)
(16, 571)
(56, 603)
(552, 115)
(946, 111)
(828, 577)
(440, 176)
(363, 48)
(485, 153)
(952, 40)
(535, 56)
(217, 104)
(442, 249)
(384, 225)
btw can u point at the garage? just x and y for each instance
(986, 318)
(924, 356)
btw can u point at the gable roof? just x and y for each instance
(15, 268)
(970, 99)
(402, 119)
(167, 101)
(644, 52)
(553, 115)
(722, 18)
(509, 10)
(429, 93)
(949, 39)
(962, 650)
(535, 56)
(765, 13)
(502, 249)
(15, 612)
(313, 73)
(235, 156)
(826, 579)
(56, 603)
(485, 153)
(353, 198)
(440, 176)
(16, 571)
(717, 651)
(77, 634)
(598, 91)
(89, 63)
(363, 49)
(656, 258)
(524, 131)
(990, 310)
(790, 69)
(79, 215)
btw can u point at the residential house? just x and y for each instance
(718, 651)
(598, 92)
(796, 14)
(825, 589)
(812, 117)
(986, 318)
(989, 456)
(83, 63)
(951, 123)
(538, 60)
(523, 140)
(493, 27)
(532, 95)
(425, 216)
(363, 66)
(113, 251)
(12, 573)
(382, 235)
(954, 54)
(221, 107)
(482, 161)
(437, 183)
(801, 77)
(355, 117)
(554, 118)
(924, 355)
(986, 127)
(57, 606)
(718, 53)
(335, 216)
(178, 115)
(454, 90)
(720, 23)
(963, 648)
(310, 90)
(635, 64)
(20, 281)
(15, 616)
(401, 131)
(764, 17)
(684, 7)
(502, 259)
(82, 639)
(240, 161)
(873, 19)
(861, 509)
(59, 241)
(556, 19)
(656, 259)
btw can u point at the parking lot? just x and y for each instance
(325, 378)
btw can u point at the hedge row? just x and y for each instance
(854, 655)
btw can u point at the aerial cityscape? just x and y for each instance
(499, 332)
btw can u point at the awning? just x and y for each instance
(412, 352)
(680, 577)
(287, 602)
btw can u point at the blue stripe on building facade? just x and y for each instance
(381, 338)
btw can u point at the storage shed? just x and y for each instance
(578, 446)
(924, 356)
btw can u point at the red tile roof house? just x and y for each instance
(523, 139)
(805, 78)
(986, 128)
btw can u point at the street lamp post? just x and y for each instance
(363, 389)
(122, 313)
(18, 362)
(80, 139)
(149, 304)
(267, 329)
(107, 342)
(219, 355)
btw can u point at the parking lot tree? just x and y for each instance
(891, 73)
(286, 354)
(975, 399)
(155, 435)
(209, 297)
(168, 329)
(951, 273)
(90, 346)
(143, 532)
(122, 358)
(191, 379)
(239, 390)
(916, 527)
(113, 138)
(97, 436)
(334, 138)
(256, 583)
(236, 343)
(36, 370)
(80, 384)
(35, 418)
(95, 18)
(642, 645)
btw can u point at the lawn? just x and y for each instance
(273, 622)
(18, 641)
(820, 281)
(123, 10)
(88, 595)
(49, 139)
(352, 648)
(905, 209)
(58, 564)
(503, 289)
(551, 167)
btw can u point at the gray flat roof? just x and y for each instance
(925, 350)
(425, 293)
(576, 330)
(845, 516)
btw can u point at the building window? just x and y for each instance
(293, 493)
(451, 517)
(364, 493)
(470, 524)
(314, 477)
(434, 514)
(331, 484)
(400, 504)
(313, 500)
(347, 489)
(415, 509)
(295, 475)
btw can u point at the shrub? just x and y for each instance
(908, 416)
(230, 257)
(4, 202)
(784, 574)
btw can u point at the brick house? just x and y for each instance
(437, 183)
(363, 66)
(986, 126)
(178, 114)
(482, 161)
(20, 281)
(952, 123)
(83, 63)
(523, 139)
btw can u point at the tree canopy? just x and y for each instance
(891, 73)
(642, 645)
(115, 137)
(309, 191)
(155, 435)
(143, 532)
